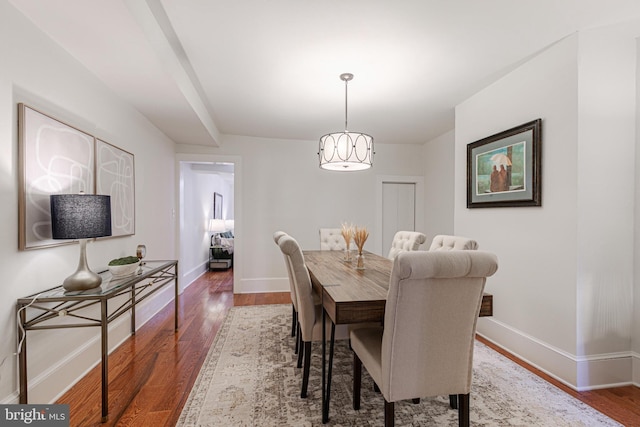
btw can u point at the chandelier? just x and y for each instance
(346, 151)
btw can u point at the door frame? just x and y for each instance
(237, 208)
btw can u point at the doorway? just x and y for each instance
(201, 180)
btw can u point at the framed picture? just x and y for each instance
(217, 206)
(115, 176)
(503, 170)
(53, 158)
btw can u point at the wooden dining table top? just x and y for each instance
(350, 295)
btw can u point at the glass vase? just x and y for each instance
(347, 254)
(360, 262)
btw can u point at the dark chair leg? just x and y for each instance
(463, 410)
(416, 400)
(298, 337)
(389, 418)
(357, 380)
(294, 321)
(453, 401)
(305, 371)
(300, 347)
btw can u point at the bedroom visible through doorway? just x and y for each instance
(207, 211)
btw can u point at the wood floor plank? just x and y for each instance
(152, 372)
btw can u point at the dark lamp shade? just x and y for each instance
(80, 216)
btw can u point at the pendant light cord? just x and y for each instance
(346, 82)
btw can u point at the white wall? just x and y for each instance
(563, 288)
(635, 341)
(534, 288)
(439, 186)
(36, 71)
(607, 113)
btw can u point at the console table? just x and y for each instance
(52, 309)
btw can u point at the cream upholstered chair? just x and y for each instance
(404, 241)
(309, 313)
(294, 303)
(331, 239)
(444, 242)
(426, 345)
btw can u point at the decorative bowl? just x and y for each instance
(124, 270)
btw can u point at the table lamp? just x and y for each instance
(216, 226)
(82, 217)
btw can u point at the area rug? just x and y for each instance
(250, 379)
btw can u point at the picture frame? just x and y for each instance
(115, 176)
(56, 158)
(53, 158)
(217, 206)
(504, 170)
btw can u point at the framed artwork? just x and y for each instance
(53, 158)
(217, 206)
(115, 176)
(504, 170)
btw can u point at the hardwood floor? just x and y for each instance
(151, 374)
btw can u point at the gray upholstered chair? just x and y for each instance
(331, 239)
(444, 242)
(426, 345)
(309, 311)
(404, 241)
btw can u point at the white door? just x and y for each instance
(398, 210)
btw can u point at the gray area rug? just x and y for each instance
(249, 379)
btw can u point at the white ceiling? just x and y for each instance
(203, 69)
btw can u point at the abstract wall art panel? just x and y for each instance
(115, 176)
(54, 158)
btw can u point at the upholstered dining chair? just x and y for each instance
(404, 241)
(309, 312)
(295, 326)
(425, 347)
(294, 302)
(443, 242)
(331, 239)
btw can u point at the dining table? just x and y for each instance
(350, 295)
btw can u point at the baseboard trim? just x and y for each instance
(580, 373)
(188, 277)
(262, 285)
(636, 368)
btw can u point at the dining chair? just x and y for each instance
(443, 242)
(309, 311)
(331, 239)
(425, 347)
(294, 302)
(404, 241)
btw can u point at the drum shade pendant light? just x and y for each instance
(346, 151)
